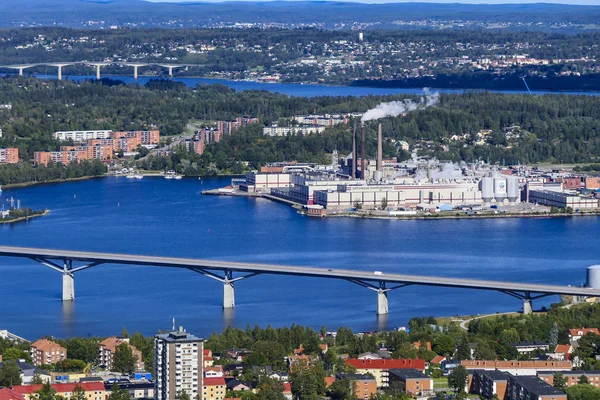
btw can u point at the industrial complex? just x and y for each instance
(355, 185)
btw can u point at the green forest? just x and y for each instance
(544, 128)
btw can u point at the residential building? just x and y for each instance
(45, 351)
(178, 364)
(107, 349)
(489, 383)
(576, 334)
(29, 371)
(528, 347)
(9, 155)
(564, 351)
(81, 136)
(137, 390)
(196, 146)
(572, 377)
(92, 390)
(532, 388)
(303, 130)
(9, 394)
(411, 381)
(520, 368)
(214, 389)
(363, 386)
(208, 358)
(380, 368)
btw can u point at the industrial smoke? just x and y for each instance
(395, 108)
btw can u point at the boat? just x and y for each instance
(178, 176)
(138, 176)
(130, 176)
(170, 174)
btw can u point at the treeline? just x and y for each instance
(27, 172)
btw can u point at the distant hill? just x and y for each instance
(324, 14)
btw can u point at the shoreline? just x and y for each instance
(27, 184)
(27, 218)
(367, 215)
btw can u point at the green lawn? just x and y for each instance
(440, 383)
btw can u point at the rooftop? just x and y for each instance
(179, 336)
(536, 386)
(494, 375)
(408, 373)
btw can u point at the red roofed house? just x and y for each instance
(329, 381)
(565, 350)
(45, 351)
(324, 347)
(437, 360)
(208, 358)
(92, 390)
(287, 390)
(380, 368)
(108, 347)
(576, 334)
(214, 389)
(7, 394)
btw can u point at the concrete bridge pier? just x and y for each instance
(228, 284)
(68, 286)
(171, 72)
(527, 304)
(59, 72)
(135, 72)
(21, 71)
(382, 301)
(98, 71)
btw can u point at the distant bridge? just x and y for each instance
(223, 271)
(97, 65)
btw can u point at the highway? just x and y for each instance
(255, 268)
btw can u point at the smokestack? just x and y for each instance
(354, 151)
(362, 150)
(379, 148)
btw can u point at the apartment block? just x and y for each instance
(363, 386)
(532, 388)
(178, 363)
(9, 155)
(45, 351)
(572, 377)
(107, 349)
(214, 388)
(411, 381)
(380, 368)
(528, 367)
(92, 390)
(489, 383)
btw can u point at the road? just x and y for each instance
(255, 268)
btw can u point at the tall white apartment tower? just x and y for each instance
(178, 365)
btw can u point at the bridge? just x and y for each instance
(65, 262)
(97, 65)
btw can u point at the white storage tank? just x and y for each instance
(512, 189)
(499, 189)
(378, 176)
(593, 277)
(487, 189)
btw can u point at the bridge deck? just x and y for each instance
(190, 263)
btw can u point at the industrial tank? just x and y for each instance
(378, 176)
(499, 189)
(487, 189)
(512, 189)
(593, 277)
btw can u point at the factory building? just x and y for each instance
(411, 195)
(265, 182)
(562, 200)
(305, 186)
(499, 189)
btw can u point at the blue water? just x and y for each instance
(296, 89)
(155, 216)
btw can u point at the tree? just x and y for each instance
(554, 335)
(308, 382)
(10, 374)
(14, 353)
(47, 392)
(340, 390)
(559, 381)
(484, 352)
(582, 392)
(124, 361)
(182, 395)
(384, 203)
(37, 379)
(443, 345)
(78, 393)
(116, 393)
(510, 336)
(457, 379)
(583, 380)
(463, 351)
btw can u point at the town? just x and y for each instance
(423, 361)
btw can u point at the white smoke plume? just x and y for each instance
(395, 108)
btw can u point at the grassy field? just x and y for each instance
(440, 383)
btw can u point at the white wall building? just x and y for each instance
(178, 359)
(81, 136)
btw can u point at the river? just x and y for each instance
(155, 216)
(296, 89)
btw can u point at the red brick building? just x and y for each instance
(45, 351)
